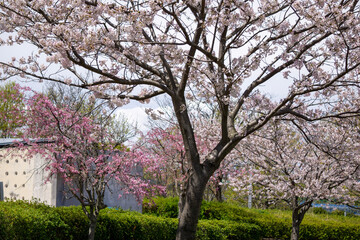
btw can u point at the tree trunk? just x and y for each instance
(218, 189)
(298, 214)
(295, 228)
(189, 207)
(92, 228)
(218, 193)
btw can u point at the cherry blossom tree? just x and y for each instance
(82, 153)
(300, 167)
(353, 187)
(213, 52)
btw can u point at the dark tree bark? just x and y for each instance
(298, 214)
(218, 190)
(197, 176)
(92, 227)
(189, 207)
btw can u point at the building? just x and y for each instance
(24, 178)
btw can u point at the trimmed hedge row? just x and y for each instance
(19, 220)
(272, 223)
(30, 221)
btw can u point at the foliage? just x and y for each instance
(11, 110)
(319, 210)
(33, 221)
(273, 223)
(131, 225)
(76, 219)
(112, 224)
(160, 206)
(221, 230)
(36, 221)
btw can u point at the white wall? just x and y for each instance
(23, 177)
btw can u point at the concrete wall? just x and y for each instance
(25, 178)
(114, 197)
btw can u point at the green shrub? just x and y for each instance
(160, 206)
(319, 210)
(329, 230)
(220, 229)
(273, 223)
(132, 225)
(21, 220)
(74, 217)
(338, 212)
(274, 227)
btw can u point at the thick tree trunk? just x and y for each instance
(198, 174)
(298, 214)
(92, 228)
(295, 228)
(189, 207)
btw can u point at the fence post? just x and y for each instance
(1, 191)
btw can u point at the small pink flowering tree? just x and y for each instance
(83, 155)
(299, 168)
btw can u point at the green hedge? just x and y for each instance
(132, 225)
(272, 223)
(31, 221)
(20, 220)
(334, 227)
(221, 230)
(74, 217)
(165, 207)
(219, 221)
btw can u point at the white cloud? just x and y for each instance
(136, 115)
